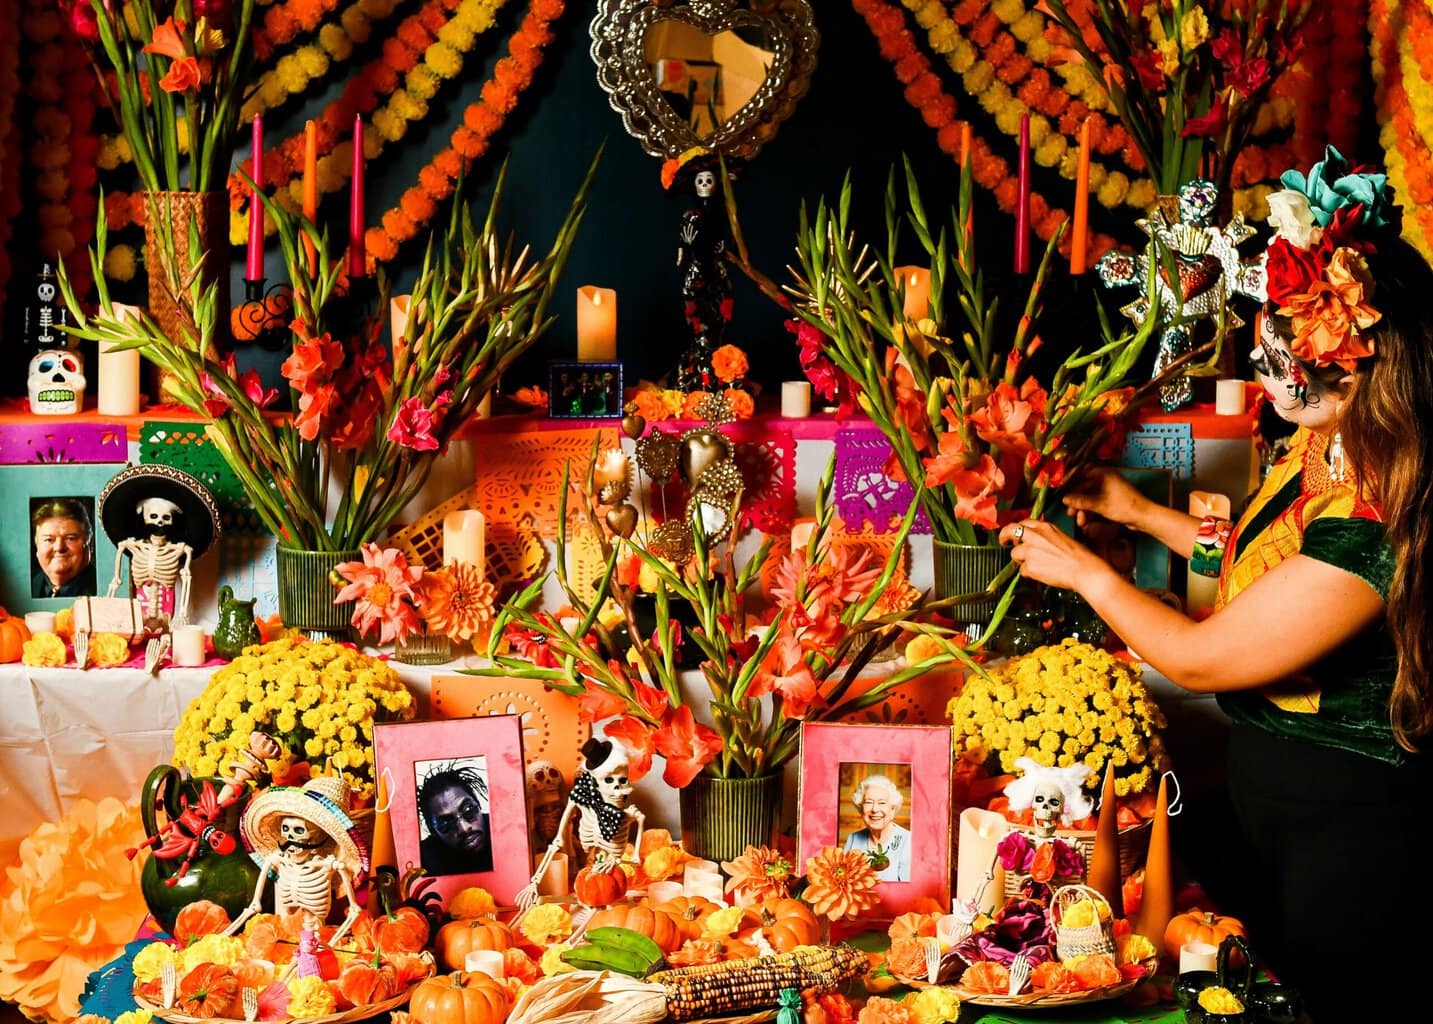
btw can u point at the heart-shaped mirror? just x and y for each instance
(722, 74)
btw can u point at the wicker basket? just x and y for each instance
(1071, 941)
(174, 1016)
(1044, 999)
(1134, 842)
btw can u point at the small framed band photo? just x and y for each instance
(458, 801)
(883, 790)
(584, 390)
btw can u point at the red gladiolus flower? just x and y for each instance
(1250, 76)
(1207, 125)
(651, 699)
(413, 426)
(640, 740)
(597, 704)
(687, 745)
(532, 646)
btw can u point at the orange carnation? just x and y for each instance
(730, 363)
(987, 976)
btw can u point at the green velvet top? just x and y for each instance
(1341, 700)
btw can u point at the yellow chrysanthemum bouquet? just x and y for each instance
(1062, 705)
(319, 698)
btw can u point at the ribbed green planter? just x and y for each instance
(722, 817)
(968, 569)
(306, 591)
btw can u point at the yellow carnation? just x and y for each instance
(225, 950)
(310, 998)
(44, 650)
(1134, 948)
(135, 1017)
(546, 922)
(935, 1005)
(108, 650)
(149, 962)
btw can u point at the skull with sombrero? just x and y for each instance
(193, 513)
(323, 803)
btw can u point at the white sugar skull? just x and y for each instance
(57, 382)
(157, 513)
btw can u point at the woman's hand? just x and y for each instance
(1046, 554)
(1106, 493)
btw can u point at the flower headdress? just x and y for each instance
(1317, 274)
(673, 167)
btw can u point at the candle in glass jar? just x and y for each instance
(119, 381)
(188, 645)
(596, 324)
(464, 537)
(795, 399)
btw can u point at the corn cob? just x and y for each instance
(713, 989)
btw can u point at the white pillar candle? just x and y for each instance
(485, 407)
(796, 399)
(801, 533)
(119, 382)
(464, 537)
(596, 324)
(1198, 956)
(40, 622)
(979, 876)
(698, 880)
(485, 961)
(1229, 397)
(554, 879)
(1200, 590)
(916, 282)
(188, 645)
(663, 892)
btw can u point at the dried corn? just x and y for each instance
(713, 989)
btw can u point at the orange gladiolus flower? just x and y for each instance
(686, 744)
(167, 41)
(184, 75)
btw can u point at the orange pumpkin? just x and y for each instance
(460, 998)
(1200, 926)
(208, 991)
(363, 982)
(200, 918)
(13, 634)
(691, 913)
(457, 939)
(657, 925)
(600, 887)
(788, 923)
(405, 930)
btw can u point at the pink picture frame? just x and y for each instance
(470, 774)
(840, 760)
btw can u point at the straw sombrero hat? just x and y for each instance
(323, 803)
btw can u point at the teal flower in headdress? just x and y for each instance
(1330, 186)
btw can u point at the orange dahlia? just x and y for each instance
(840, 883)
(457, 601)
(759, 874)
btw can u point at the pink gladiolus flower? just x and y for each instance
(413, 426)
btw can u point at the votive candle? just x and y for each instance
(707, 884)
(795, 399)
(40, 622)
(596, 324)
(1022, 203)
(485, 961)
(1198, 956)
(188, 645)
(554, 880)
(357, 257)
(663, 892)
(310, 190)
(1229, 397)
(915, 281)
(119, 381)
(254, 263)
(1080, 234)
(464, 537)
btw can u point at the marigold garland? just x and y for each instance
(1406, 153)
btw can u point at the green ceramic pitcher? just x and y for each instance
(237, 628)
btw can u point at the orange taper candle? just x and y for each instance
(1104, 876)
(310, 190)
(1080, 236)
(1156, 908)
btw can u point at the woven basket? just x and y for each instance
(356, 1013)
(1044, 999)
(1134, 842)
(1094, 939)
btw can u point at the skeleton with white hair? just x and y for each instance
(600, 798)
(1054, 796)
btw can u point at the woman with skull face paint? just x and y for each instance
(1318, 648)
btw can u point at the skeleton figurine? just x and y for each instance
(546, 797)
(600, 797)
(1054, 796)
(305, 837)
(1046, 806)
(158, 566)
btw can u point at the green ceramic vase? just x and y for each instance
(722, 817)
(227, 879)
(307, 585)
(236, 628)
(968, 569)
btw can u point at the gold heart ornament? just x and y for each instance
(622, 520)
(699, 450)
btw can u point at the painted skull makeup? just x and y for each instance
(1280, 372)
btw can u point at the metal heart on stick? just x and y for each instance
(699, 450)
(656, 454)
(622, 520)
(633, 425)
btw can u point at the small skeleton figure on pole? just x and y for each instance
(600, 798)
(304, 836)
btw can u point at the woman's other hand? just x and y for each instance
(1047, 554)
(1105, 492)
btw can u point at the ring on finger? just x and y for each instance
(1019, 532)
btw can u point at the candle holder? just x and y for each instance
(263, 317)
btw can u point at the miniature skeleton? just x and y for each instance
(158, 566)
(1046, 807)
(600, 797)
(305, 837)
(1055, 796)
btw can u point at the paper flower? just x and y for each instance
(935, 1005)
(987, 976)
(1331, 185)
(880, 1010)
(68, 906)
(44, 650)
(840, 883)
(546, 923)
(108, 650)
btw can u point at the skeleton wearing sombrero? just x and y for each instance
(305, 837)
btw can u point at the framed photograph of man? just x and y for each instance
(883, 790)
(458, 801)
(56, 551)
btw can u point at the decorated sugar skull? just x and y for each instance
(56, 383)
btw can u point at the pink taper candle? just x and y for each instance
(1080, 239)
(1022, 203)
(357, 258)
(254, 264)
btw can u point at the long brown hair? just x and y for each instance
(1386, 422)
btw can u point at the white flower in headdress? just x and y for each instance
(1292, 218)
(1021, 792)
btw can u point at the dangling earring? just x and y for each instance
(1338, 459)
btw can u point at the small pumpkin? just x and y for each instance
(788, 923)
(13, 634)
(460, 998)
(657, 925)
(363, 982)
(600, 886)
(405, 930)
(691, 913)
(1200, 926)
(209, 990)
(456, 939)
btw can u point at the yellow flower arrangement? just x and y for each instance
(319, 698)
(1063, 704)
(546, 923)
(44, 650)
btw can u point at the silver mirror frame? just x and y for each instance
(619, 31)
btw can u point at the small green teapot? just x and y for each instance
(237, 628)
